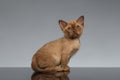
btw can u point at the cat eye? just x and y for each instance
(68, 28)
(77, 26)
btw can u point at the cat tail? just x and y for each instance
(34, 65)
(37, 67)
(48, 69)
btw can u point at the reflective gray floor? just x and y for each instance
(74, 74)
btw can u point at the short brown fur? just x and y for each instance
(55, 55)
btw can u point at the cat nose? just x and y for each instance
(73, 28)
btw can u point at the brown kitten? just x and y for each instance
(55, 55)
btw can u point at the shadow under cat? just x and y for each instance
(52, 76)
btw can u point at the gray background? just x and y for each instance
(26, 25)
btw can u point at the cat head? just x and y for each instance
(72, 29)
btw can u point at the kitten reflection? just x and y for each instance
(55, 76)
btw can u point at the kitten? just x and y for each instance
(55, 55)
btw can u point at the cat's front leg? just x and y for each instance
(64, 63)
(65, 67)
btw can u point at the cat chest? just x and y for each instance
(72, 47)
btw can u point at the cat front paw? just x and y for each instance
(65, 68)
(59, 68)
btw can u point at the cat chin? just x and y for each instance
(74, 37)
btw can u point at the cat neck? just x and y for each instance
(71, 39)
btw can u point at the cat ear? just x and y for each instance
(62, 24)
(80, 20)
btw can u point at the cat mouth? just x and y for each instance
(75, 33)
